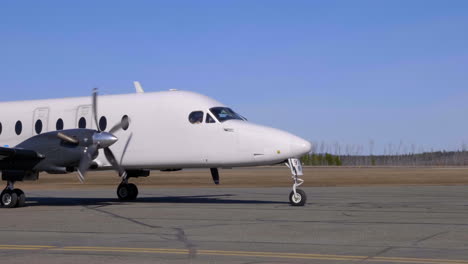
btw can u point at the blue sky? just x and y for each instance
(335, 71)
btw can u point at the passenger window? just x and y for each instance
(103, 123)
(18, 128)
(209, 119)
(126, 122)
(196, 117)
(59, 124)
(82, 123)
(38, 126)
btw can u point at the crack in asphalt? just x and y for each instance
(121, 217)
(380, 253)
(429, 237)
(182, 237)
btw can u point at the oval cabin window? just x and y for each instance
(38, 126)
(125, 122)
(59, 125)
(103, 123)
(18, 128)
(82, 123)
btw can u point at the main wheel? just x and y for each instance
(9, 198)
(133, 191)
(123, 192)
(21, 198)
(299, 199)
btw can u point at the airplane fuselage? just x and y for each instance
(162, 134)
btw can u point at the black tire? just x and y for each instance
(21, 198)
(123, 192)
(9, 199)
(1, 195)
(300, 200)
(133, 191)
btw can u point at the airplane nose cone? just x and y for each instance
(104, 139)
(300, 147)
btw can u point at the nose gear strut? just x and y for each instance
(297, 197)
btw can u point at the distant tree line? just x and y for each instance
(322, 160)
(331, 155)
(439, 158)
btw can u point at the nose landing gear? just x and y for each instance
(297, 197)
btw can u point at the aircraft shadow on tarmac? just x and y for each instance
(201, 199)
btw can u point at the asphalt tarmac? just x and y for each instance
(374, 224)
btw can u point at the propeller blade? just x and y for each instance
(67, 138)
(81, 176)
(95, 115)
(112, 160)
(86, 161)
(215, 175)
(116, 128)
(126, 147)
(124, 123)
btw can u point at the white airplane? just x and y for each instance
(168, 131)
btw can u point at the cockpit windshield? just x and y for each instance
(224, 114)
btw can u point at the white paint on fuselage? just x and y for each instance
(161, 135)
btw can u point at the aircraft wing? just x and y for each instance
(19, 154)
(6, 152)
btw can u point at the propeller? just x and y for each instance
(95, 111)
(215, 175)
(126, 147)
(85, 162)
(112, 160)
(100, 140)
(122, 124)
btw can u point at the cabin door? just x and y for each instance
(84, 117)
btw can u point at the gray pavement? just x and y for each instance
(419, 224)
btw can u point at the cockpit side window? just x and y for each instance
(224, 114)
(196, 117)
(209, 119)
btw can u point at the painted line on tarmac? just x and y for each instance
(237, 254)
(24, 247)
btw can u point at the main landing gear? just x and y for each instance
(297, 197)
(11, 197)
(127, 191)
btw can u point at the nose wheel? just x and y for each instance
(11, 197)
(127, 191)
(297, 197)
